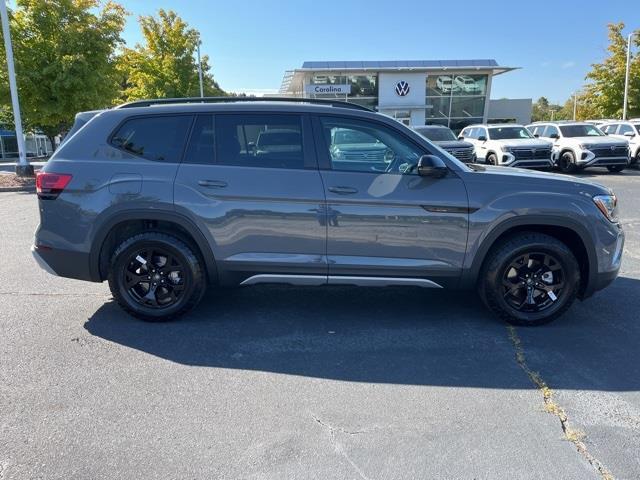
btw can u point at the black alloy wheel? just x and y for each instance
(156, 277)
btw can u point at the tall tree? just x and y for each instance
(603, 95)
(65, 52)
(545, 110)
(164, 66)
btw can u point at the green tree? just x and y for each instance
(65, 56)
(545, 110)
(164, 66)
(604, 92)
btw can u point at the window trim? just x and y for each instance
(136, 117)
(322, 149)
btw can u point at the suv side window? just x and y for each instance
(361, 146)
(551, 129)
(201, 143)
(482, 132)
(624, 129)
(259, 140)
(159, 138)
(610, 129)
(471, 133)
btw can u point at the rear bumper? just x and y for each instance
(63, 263)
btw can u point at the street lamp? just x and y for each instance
(199, 70)
(575, 105)
(23, 168)
(626, 76)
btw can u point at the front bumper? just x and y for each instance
(586, 158)
(609, 262)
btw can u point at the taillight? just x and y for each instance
(49, 185)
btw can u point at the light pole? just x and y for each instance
(199, 70)
(23, 168)
(626, 77)
(575, 105)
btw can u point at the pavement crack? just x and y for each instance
(338, 448)
(551, 406)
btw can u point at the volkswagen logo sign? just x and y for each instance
(613, 147)
(533, 150)
(402, 88)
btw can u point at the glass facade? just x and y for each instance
(455, 100)
(364, 88)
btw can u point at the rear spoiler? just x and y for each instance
(80, 121)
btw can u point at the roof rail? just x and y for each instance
(170, 101)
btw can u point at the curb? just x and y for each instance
(26, 188)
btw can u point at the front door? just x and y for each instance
(252, 179)
(383, 219)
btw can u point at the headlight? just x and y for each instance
(506, 149)
(585, 146)
(608, 205)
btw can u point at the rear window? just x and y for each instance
(157, 138)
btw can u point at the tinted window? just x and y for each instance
(505, 133)
(480, 132)
(550, 130)
(385, 150)
(159, 138)
(436, 134)
(624, 129)
(469, 133)
(201, 144)
(580, 131)
(272, 141)
(609, 128)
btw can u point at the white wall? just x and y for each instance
(388, 99)
(518, 108)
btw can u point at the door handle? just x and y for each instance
(212, 183)
(343, 190)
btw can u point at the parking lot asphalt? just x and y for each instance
(300, 383)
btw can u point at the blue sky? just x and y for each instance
(251, 42)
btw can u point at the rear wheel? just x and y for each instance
(615, 168)
(156, 277)
(530, 280)
(567, 162)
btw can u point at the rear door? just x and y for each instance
(385, 220)
(252, 180)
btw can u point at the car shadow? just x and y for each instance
(391, 335)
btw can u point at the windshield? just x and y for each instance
(505, 133)
(352, 136)
(580, 131)
(437, 134)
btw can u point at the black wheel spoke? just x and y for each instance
(155, 277)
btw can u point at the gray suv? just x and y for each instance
(163, 198)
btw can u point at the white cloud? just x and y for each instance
(569, 64)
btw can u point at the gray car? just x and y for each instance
(163, 198)
(447, 140)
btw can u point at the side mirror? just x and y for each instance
(431, 166)
(482, 138)
(629, 134)
(460, 137)
(535, 135)
(554, 136)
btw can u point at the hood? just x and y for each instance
(524, 142)
(500, 175)
(453, 144)
(606, 140)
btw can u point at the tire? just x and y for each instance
(567, 162)
(636, 162)
(500, 291)
(492, 159)
(616, 168)
(179, 282)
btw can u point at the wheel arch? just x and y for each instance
(570, 232)
(112, 229)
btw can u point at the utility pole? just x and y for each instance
(23, 168)
(575, 105)
(626, 77)
(199, 70)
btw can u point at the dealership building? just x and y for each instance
(455, 93)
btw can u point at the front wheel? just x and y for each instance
(530, 279)
(615, 168)
(567, 162)
(156, 277)
(492, 159)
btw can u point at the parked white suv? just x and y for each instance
(446, 84)
(466, 84)
(578, 145)
(626, 130)
(508, 145)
